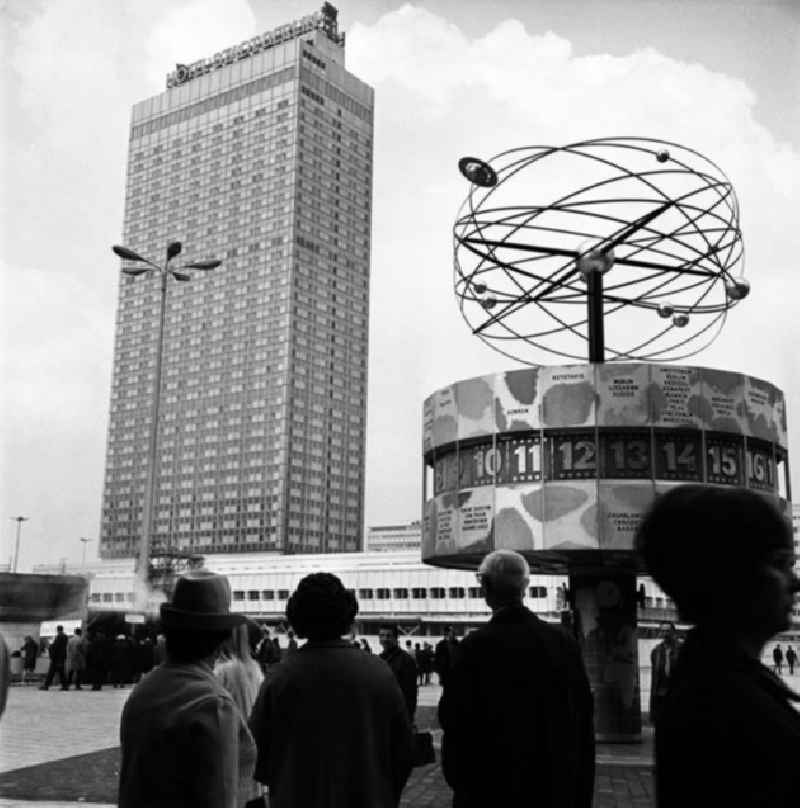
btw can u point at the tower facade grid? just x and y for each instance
(260, 156)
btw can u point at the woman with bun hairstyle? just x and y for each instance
(330, 724)
(728, 731)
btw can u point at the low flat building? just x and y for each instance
(394, 538)
(390, 586)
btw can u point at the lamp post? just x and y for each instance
(173, 249)
(84, 541)
(19, 520)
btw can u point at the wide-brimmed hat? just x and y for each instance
(201, 603)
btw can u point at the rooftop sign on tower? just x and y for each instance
(324, 20)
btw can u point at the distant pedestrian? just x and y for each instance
(241, 676)
(58, 660)
(331, 725)
(5, 674)
(427, 661)
(791, 659)
(292, 647)
(184, 741)
(145, 656)
(268, 655)
(254, 636)
(122, 661)
(30, 653)
(662, 663)
(516, 709)
(402, 664)
(160, 649)
(728, 733)
(97, 660)
(76, 659)
(445, 655)
(366, 646)
(777, 659)
(419, 660)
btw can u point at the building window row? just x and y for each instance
(435, 593)
(215, 102)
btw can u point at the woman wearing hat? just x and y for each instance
(331, 724)
(184, 740)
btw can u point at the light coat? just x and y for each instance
(184, 741)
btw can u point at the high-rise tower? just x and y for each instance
(260, 156)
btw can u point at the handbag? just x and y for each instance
(423, 749)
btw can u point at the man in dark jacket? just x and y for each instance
(662, 663)
(445, 655)
(97, 658)
(516, 710)
(58, 659)
(403, 666)
(791, 659)
(267, 653)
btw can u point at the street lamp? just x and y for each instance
(19, 520)
(173, 249)
(84, 541)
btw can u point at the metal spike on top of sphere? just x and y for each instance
(636, 237)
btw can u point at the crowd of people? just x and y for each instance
(227, 720)
(93, 659)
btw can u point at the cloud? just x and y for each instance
(77, 66)
(75, 69)
(196, 30)
(449, 95)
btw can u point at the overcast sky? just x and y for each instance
(451, 77)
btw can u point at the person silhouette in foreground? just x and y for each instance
(516, 709)
(184, 741)
(330, 724)
(728, 733)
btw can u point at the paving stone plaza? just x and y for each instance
(60, 749)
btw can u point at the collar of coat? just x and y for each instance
(513, 613)
(702, 648)
(329, 644)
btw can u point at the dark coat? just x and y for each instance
(268, 654)
(332, 730)
(58, 649)
(445, 657)
(663, 659)
(31, 652)
(517, 716)
(405, 671)
(728, 734)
